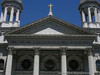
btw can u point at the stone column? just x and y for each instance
(63, 62)
(36, 62)
(1, 19)
(83, 17)
(89, 14)
(98, 37)
(5, 14)
(90, 62)
(96, 15)
(17, 15)
(99, 15)
(12, 14)
(9, 62)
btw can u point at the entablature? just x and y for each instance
(51, 47)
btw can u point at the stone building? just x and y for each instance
(49, 46)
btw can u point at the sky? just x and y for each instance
(66, 10)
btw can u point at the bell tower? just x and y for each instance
(10, 15)
(90, 13)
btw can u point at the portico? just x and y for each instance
(65, 54)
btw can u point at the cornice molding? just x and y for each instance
(49, 19)
(50, 36)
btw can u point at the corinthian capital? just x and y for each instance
(37, 51)
(10, 50)
(90, 51)
(63, 51)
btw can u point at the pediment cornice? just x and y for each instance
(49, 19)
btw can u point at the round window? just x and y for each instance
(73, 64)
(26, 64)
(50, 64)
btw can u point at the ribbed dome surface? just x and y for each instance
(87, 0)
(13, 0)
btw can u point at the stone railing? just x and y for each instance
(59, 73)
(78, 73)
(23, 73)
(1, 72)
(50, 73)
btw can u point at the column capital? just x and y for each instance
(90, 51)
(63, 50)
(12, 8)
(37, 51)
(6, 7)
(18, 10)
(11, 50)
(89, 7)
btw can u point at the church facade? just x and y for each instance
(49, 46)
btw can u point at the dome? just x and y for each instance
(19, 0)
(87, 0)
(13, 0)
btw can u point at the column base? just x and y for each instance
(98, 25)
(10, 24)
(16, 24)
(85, 25)
(92, 25)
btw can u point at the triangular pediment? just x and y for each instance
(49, 25)
(48, 31)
